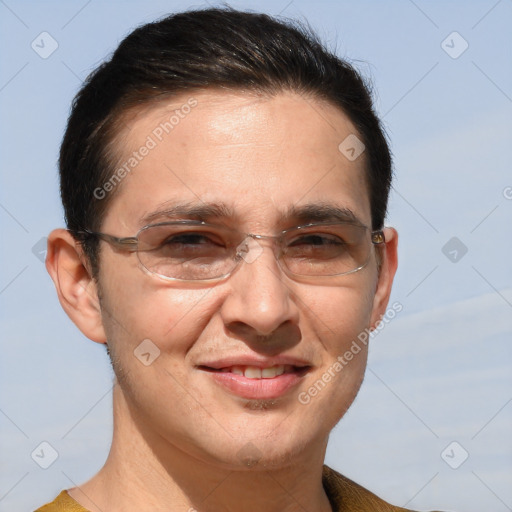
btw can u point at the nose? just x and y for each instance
(261, 300)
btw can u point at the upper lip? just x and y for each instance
(258, 362)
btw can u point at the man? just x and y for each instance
(225, 183)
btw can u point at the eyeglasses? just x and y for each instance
(188, 250)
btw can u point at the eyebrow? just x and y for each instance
(195, 211)
(321, 212)
(304, 214)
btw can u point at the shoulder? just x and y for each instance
(344, 494)
(62, 503)
(348, 496)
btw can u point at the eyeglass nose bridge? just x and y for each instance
(250, 249)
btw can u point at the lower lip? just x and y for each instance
(257, 389)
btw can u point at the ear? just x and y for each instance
(77, 290)
(388, 265)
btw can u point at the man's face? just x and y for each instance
(260, 158)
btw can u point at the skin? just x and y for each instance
(178, 437)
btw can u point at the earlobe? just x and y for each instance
(76, 289)
(388, 266)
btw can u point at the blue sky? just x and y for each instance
(440, 372)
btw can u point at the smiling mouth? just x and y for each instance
(255, 382)
(255, 372)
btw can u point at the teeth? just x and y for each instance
(253, 372)
(269, 373)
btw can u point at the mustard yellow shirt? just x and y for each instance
(344, 495)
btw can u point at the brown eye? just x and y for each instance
(317, 239)
(188, 239)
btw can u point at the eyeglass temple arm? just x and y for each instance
(129, 243)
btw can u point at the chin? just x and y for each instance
(279, 446)
(256, 456)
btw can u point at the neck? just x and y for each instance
(146, 472)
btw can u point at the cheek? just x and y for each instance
(340, 313)
(163, 322)
(339, 317)
(136, 307)
(171, 319)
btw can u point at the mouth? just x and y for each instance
(257, 382)
(257, 372)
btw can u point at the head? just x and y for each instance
(244, 128)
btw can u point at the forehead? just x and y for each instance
(258, 159)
